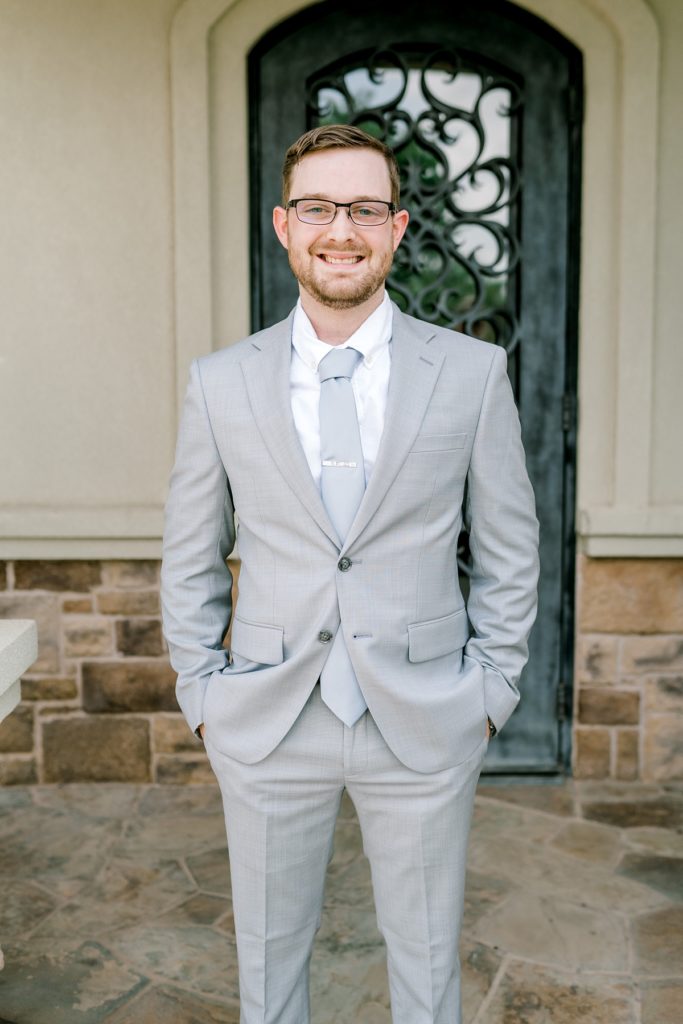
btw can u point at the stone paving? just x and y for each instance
(116, 909)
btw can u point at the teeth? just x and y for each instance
(346, 259)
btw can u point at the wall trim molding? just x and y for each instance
(654, 532)
(81, 532)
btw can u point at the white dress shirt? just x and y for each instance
(370, 382)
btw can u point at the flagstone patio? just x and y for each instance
(116, 908)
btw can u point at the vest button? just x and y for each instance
(344, 564)
(324, 636)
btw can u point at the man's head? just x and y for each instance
(338, 136)
(344, 262)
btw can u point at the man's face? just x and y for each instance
(340, 265)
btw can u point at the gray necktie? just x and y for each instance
(342, 485)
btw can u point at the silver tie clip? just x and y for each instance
(339, 465)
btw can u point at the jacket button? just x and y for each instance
(324, 636)
(344, 564)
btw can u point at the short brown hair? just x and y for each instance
(337, 136)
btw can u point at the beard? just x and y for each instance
(340, 293)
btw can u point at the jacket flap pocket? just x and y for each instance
(436, 637)
(438, 442)
(257, 642)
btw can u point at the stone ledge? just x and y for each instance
(18, 651)
(44, 610)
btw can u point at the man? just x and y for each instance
(344, 448)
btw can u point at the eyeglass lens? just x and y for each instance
(317, 211)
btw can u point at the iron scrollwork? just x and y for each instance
(453, 124)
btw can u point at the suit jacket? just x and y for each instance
(430, 667)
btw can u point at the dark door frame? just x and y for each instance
(266, 149)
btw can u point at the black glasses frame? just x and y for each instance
(391, 209)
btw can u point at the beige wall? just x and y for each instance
(667, 437)
(117, 251)
(87, 371)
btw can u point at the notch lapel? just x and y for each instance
(266, 375)
(415, 367)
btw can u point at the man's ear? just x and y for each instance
(280, 225)
(399, 225)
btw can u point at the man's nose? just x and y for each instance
(342, 226)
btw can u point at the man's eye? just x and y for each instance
(314, 208)
(366, 211)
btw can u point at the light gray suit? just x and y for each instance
(431, 669)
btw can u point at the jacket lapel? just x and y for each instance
(415, 367)
(266, 374)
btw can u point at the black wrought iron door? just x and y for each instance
(481, 103)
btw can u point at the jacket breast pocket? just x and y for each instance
(439, 442)
(257, 641)
(436, 637)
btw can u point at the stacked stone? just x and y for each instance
(629, 695)
(99, 703)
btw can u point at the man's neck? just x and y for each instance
(335, 326)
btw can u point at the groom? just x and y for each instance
(343, 450)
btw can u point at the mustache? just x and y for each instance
(340, 250)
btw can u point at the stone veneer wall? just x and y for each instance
(628, 698)
(99, 703)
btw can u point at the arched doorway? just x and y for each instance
(483, 106)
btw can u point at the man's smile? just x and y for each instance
(348, 260)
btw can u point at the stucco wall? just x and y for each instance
(667, 465)
(87, 377)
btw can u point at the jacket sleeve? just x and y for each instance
(500, 516)
(199, 534)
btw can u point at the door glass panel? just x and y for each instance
(454, 126)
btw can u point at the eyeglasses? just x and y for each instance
(323, 211)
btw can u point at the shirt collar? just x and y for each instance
(369, 339)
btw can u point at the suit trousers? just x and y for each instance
(280, 816)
